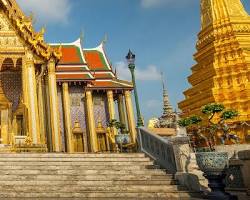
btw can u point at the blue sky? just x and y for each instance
(162, 34)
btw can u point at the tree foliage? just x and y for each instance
(118, 125)
(208, 126)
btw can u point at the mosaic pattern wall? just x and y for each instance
(60, 105)
(12, 87)
(77, 106)
(100, 109)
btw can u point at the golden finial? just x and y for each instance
(43, 30)
(31, 17)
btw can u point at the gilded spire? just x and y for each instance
(214, 10)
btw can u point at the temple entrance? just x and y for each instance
(11, 107)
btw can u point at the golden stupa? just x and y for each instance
(222, 71)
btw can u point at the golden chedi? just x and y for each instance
(222, 71)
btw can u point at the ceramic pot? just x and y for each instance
(122, 139)
(214, 165)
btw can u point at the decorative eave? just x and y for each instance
(23, 25)
(110, 84)
(74, 77)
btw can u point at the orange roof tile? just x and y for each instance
(95, 60)
(71, 55)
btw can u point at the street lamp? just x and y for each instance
(131, 65)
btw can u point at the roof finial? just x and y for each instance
(116, 72)
(162, 80)
(32, 18)
(81, 36)
(105, 39)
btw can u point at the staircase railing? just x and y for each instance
(159, 149)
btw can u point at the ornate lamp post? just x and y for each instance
(131, 65)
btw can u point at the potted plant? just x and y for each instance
(122, 137)
(206, 130)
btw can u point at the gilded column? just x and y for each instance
(91, 122)
(67, 118)
(34, 126)
(130, 115)
(54, 116)
(24, 96)
(4, 126)
(41, 107)
(24, 82)
(47, 114)
(121, 110)
(111, 107)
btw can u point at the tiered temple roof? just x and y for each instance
(87, 65)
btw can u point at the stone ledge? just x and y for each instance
(244, 155)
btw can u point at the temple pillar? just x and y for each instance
(24, 97)
(121, 110)
(67, 118)
(91, 121)
(41, 107)
(4, 126)
(33, 119)
(130, 116)
(111, 108)
(47, 114)
(54, 114)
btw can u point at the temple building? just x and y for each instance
(56, 97)
(222, 70)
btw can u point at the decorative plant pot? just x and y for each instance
(122, 139)
(214, 165)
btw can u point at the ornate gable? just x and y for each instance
(9, 39)
(16, 31)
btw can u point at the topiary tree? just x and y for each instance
(118, 125)
(216, 116)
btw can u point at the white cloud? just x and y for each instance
(150, 73)
(47, 11)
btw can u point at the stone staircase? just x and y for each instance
(85, 176)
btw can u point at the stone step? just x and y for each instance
(99, 195)
(35, 178)
(108, 198)
(91, 163)
(72, 155)
(76, 167)
(51, 159)
(68, 182)
(81, 188)
(76, 171)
